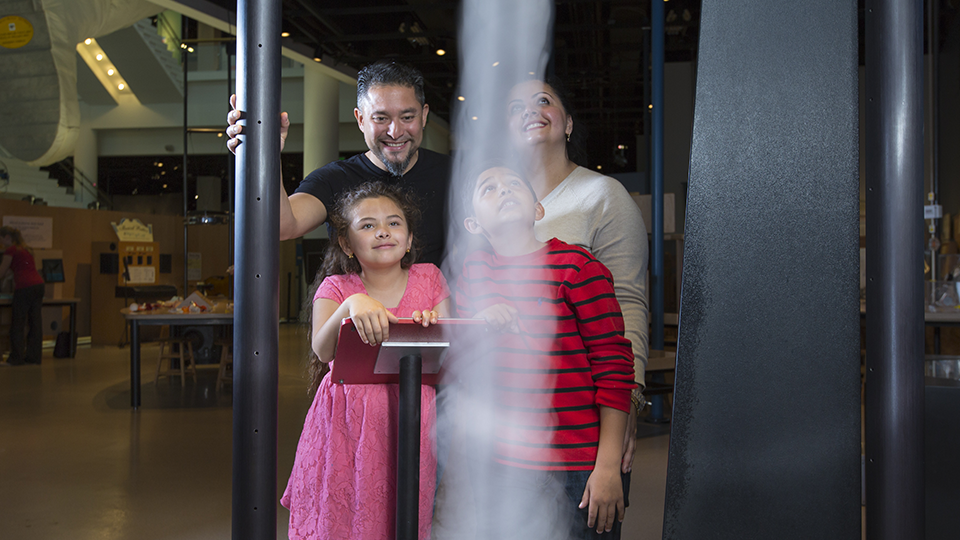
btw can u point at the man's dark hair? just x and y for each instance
(388, 73)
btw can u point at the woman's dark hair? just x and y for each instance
(335, 260)
(576, 146)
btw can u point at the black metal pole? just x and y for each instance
(231, 176)
(256, 315)
(408, 449)
(186, 140)
(894, 175)
(657, 21)
(134, 364)
(933, 94)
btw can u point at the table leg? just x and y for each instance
(657, 402)
(408, 448)
(73, 330)
(134, 364)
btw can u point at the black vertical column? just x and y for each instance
(894, 175)
(256, 312)
(408, 448)
(765, 436)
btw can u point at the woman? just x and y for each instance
(585, 208)
(27, 298)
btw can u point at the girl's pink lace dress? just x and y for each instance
(343, 482)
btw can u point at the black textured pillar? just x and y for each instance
(256, 311)
(894, 167)
(765, 438)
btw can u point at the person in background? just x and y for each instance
(586, 209)
(27, 298)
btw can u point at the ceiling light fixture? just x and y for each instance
(110, 71)
(99, 57)
(87, 41)
(317, 59)
(284, 34)
(121, 86)
(441, 52)
(495, 64)
(461, 98)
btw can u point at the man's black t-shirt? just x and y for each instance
(428, 180)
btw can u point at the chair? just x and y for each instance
(226, 362)
(183, 354)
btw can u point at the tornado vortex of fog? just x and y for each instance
(502, 42)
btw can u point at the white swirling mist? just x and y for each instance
(502, 42)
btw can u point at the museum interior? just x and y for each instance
(115, 168)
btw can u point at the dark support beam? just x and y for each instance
(656, 184)
(256, 315)
(894, 175)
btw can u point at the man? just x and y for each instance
(392, 113)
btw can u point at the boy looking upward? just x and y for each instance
(563, 370)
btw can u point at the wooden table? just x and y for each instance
(159, 318)
(58, 302)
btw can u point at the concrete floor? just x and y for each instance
(76, 462)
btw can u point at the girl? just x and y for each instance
(343, 483)
(27, 298)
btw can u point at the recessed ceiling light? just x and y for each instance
(120, 86)
(189, 49)
(220, 134)
(317, 59)
(441, 52)
(87, 41)
(474, 118)
(110, 71)
(495, 64)
(461, 98)
(99, 57)
(284, 34)
(599, 167)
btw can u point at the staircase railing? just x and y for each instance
(100, 198)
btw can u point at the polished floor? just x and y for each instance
(77, 463)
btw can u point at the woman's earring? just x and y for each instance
(350, 256)
(408, 250)
(568, 137)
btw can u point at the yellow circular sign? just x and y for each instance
(15, 32)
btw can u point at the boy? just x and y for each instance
(562, 369)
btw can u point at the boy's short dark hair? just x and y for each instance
(470, 181)
(389, 73)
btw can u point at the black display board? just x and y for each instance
(765, 439)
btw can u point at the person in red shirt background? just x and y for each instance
(27, 298)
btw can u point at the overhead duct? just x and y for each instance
(38, 39)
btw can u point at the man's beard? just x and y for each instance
(396, 168)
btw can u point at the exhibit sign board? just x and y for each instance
(133, 230)
(139, 263)
(37, 231)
